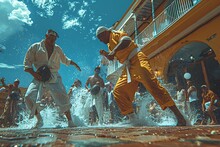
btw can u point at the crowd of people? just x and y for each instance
(124, 100)
(13, 105)
(200, 111)
(200, 108)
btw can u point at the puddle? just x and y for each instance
(203, 140)
(96, 142)
(27, 139)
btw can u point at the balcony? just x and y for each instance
(171, 14)
(175, 11)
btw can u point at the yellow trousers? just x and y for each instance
(140, 71)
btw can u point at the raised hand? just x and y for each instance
(77, 67)
(103, 52)
(108, 55)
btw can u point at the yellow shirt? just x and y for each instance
(208, 97)
(114, 39)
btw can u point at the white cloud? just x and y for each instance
(65, 17)
(99, 18)
(21, 15)
(46, 5)
(81, 12)
(71, 23)
(85, 3)
(72, 5)
(14, 15)
(3, 65)
(80, 16)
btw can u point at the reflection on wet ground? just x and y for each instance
(27, 139)
(112, 136)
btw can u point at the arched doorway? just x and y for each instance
(198, 59)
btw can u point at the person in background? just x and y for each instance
(140, 99)
(2, 89)
(154, 111)
(77, 83)
(209, 98)
(96, 89)
(181, 95)
(46, 56)
(194, 103)
(112, 106)
(10, 113)
(136, 69)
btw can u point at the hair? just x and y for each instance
(50, 30)
(97, 67)
(190, 82)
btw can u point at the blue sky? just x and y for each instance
(25, 22)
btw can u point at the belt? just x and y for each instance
(127, 63)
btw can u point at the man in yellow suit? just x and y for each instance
(137, 69)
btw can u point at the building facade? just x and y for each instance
(178, 36)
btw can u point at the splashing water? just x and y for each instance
(81, 105)
(51, 119)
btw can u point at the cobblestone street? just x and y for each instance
(113, 137)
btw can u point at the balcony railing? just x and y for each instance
(165, 19)
(171, 14)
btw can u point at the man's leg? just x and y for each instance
(69, 118)
(30, 101)
(61, 99)
(180, 119)
(39, 123)
(99, 106)
(160, 94)
(163, 98)
(213, 118)
(68, 115)
(92, 117)
(124, 96)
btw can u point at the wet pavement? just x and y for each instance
(113, 136)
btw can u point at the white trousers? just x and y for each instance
(34, 95)
(99, 104)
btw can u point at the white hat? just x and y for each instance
(203, 86)
(101, 29)
(17, 80)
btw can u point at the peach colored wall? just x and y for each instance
(209, 33)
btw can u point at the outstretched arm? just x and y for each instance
(87, 84)
(74, 64)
